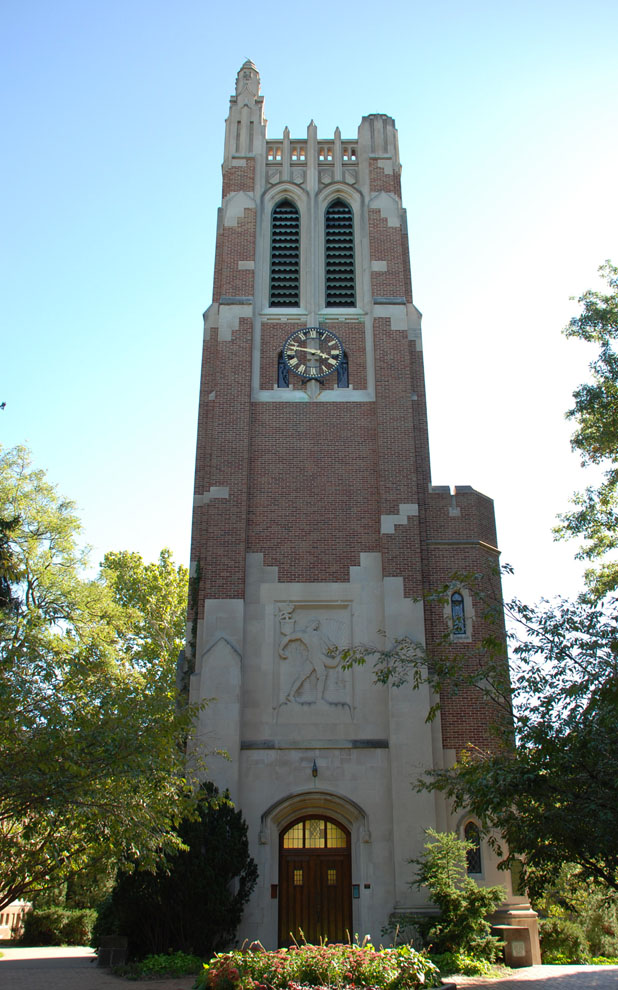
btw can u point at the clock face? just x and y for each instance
(313, 352)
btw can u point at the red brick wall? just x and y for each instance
(237, 244)
(239, 178)
(387, 244)
(462, 543)
(313, 488)
(379, 178)
(219, 527)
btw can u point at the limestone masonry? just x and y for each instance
(315, 526)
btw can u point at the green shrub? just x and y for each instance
(162, 966)
(563, 941)
(333, 966)
(462, 925)
(57, 926)
(593, 907)
(193, 901)
(450, 963)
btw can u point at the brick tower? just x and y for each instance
(316, 525)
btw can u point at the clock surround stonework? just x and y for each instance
(315, 526)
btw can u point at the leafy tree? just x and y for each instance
(594, 517)
(9, 573)
(574, 910)
(193, 901)
(154, 599)
(91, 756)
(554, 795)
(462, 925)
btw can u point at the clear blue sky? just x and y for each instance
(113, 120)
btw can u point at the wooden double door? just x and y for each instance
(315, 890)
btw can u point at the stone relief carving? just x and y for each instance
(310, 670)
(350, 175)
(274, 175)
(326, 176)
(298, 176)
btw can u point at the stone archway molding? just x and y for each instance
(316, 802)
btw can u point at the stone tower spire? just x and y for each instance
(245, 127)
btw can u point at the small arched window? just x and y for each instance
(285, 255)
(472, 835)
(340, 274)
(458, 614)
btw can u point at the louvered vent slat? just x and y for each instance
(339, 239)
(285, 255)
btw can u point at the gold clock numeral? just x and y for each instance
(301, 368)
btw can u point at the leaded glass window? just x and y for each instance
(458, 614)
(315, 833)
(473, 855)
(335, 837)
(294, 837)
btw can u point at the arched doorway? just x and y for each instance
(315, 891)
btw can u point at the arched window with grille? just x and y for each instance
(340, 276)
(472, 835)
(285, 255)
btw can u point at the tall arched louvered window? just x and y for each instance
(339, 254)
(285, 255)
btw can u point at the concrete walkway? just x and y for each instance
(69, 968)
(549, 978)
(73, 968)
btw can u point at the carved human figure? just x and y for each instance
(318, 657)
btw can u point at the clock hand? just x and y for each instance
(309, 350)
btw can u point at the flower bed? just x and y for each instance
(338, 967)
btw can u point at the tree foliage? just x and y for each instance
(580, 919)
(154, 600)
(594, 516)
(91, 758)
(554, 795)
(193, 901)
